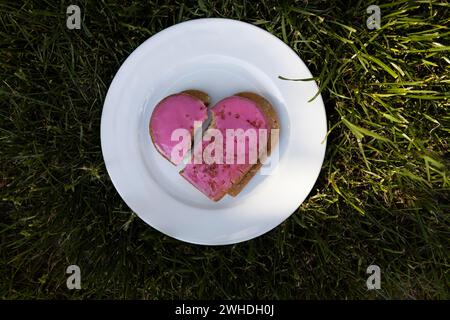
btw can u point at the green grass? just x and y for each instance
(382, 196)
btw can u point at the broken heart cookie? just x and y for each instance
(240, 138)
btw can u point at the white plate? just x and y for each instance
(220, 57)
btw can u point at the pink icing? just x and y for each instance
(230, 113)
(175, 111)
